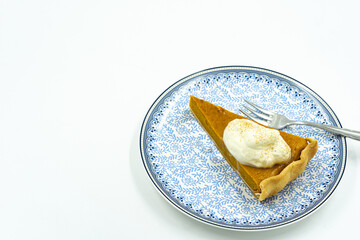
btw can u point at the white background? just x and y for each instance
(77, 78)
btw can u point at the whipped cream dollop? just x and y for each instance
(255, 145)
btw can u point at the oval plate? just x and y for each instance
(188, 170)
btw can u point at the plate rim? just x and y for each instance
(224, 226)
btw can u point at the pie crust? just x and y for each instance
(263, 182)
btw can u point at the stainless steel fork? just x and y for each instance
(278, 121)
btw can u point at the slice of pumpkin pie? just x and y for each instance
(265, 158)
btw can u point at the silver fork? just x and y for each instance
(278, 121)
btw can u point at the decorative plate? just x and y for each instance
(188, 170)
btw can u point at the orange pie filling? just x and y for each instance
(264, 177)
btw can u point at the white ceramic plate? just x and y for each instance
(188, 170)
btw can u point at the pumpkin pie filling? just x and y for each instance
(263, 182)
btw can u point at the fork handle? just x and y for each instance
(337, 130)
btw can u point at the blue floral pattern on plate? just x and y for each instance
(189, 171)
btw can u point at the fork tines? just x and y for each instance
(261, 115)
